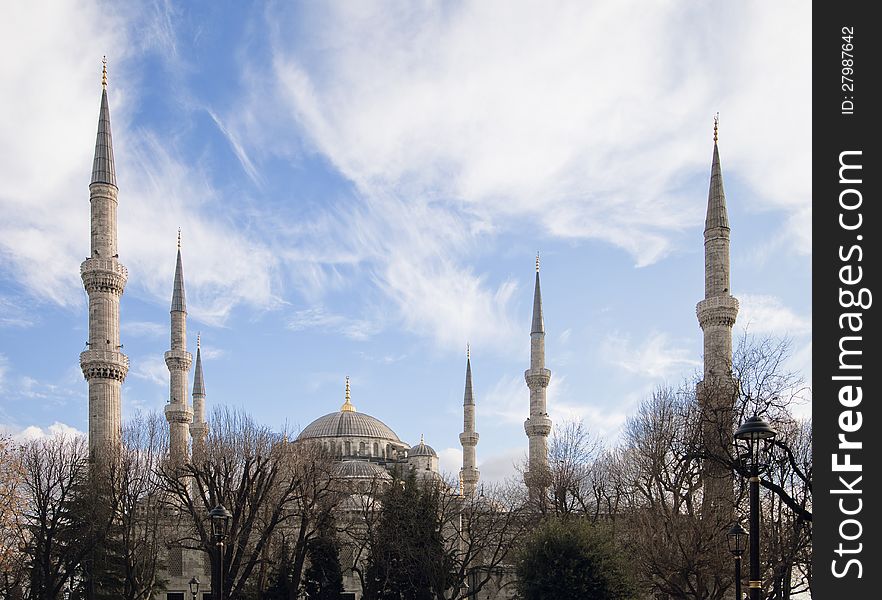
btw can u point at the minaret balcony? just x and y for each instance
(468, 438)
(178, 360)
(103, 275)
(717, 310)
(178, 413)
(104, 364)
(537, 377)
(537, 425)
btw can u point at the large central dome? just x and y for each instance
(347, 424)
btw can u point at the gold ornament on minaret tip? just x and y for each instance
(468, 352)
(198, 339)
(179, 238)
(716, 126)
(537, 261)
(347, 405)
(104, 72)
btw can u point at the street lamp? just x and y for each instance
(220, 518)
(737, 538)
(754, 432)
(194, 587)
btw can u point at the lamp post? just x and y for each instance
(754, 432)
(737, 537)
(220, 518)
(194, 587)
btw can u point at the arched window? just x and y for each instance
(361, 448)
(348, 448)
(376, 449)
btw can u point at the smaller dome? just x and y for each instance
(422, 449)
(361, 469)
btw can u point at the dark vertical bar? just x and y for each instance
(847, 224)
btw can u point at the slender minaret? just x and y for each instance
(469, 437)
(199, 428)
(178, 412)
(538, 425)
(104, 365)
(716, 315)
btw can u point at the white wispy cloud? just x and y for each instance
(654, 357)
(320, 318)
(458, 117)
(33, 432)
(147, 329)
(150, 368)
(760, 313)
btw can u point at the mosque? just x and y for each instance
(363, 446)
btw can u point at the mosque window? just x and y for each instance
(361, 448)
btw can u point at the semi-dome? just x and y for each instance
(347, 424)
(360, 469)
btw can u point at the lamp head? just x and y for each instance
(737, 539)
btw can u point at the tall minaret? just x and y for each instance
(538, 425)
(199, 428)
(469, 437)
(716, 315)
(177, 411)
(104, 365)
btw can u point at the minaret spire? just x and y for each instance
(103, 169)
(178, 412)
(537, 425)
(199, 428)
(468, 475)
(716, 316)
(104, 278)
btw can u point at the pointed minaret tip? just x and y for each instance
(538, 325)
(717, 214)
(468, 351)
(103, 169)
(179, 301)
(198, 378)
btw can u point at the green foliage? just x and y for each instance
(573, 559)
(407, 559)
(323, 579)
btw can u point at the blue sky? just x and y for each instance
(362, 188)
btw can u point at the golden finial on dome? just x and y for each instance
(716, 126)
(347, 405)
(422, 439)
(104, 72)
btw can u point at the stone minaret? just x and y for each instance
(716, 315)
(538, 425)
(199, 428)
(177, 411)
(469, 437)
(104, 365)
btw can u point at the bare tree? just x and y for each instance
(269, 486)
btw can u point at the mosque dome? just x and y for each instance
(422, 449)
(348, 423)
